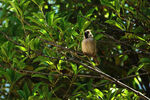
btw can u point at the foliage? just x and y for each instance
(40, 38)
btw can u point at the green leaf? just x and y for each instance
(80, 86)
(41, 58)
(99, 36)
(38, 22)
(3, 52)
(26, 90)
(2, 71)
(138, 29)
(131, 9)
(81, 21)
(26, 4)
(113, 22)
(72, 45)
(22, 2)
(22, 48)
(27, 40)
(117, 4)
(144, 60)
(99, 93)
(74, 67)
(86, 24)
(15, 7)
(6, 51)
(39, 69)
(22, 42)
(56, 21)
(128, 24)
(51, 76)
(51, 18)
(134, 69)
(140, 44)
(11, 76)
(34, 44)
(38, 15)
(107, 3)
(90, 12)
(22, 94)
(136, 81)
(35, 2)
(33, 28)
(140, 38)
(74, 33)
(36, 87)
(44, 32)
(39, 75)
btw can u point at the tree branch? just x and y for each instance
(102, 74)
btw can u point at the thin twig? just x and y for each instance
(102, 74)
(107, 77)
(8, 38)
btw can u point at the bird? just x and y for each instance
(88, 45)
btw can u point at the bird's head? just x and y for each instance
(88, 34)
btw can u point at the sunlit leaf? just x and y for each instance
(74, 67)
(51, 18)
(99, 93)
(86, 24)
(22, 48)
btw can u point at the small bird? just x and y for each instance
(89, 45)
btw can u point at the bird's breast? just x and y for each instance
(89, 46)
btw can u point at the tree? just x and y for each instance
(40, 51)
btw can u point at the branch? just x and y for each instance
(42, 73)
(8, 38)
(108, 77)
(131, 76)
(102, 74)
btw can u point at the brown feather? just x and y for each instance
(89, 46)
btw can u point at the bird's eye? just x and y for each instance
(90, 35)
